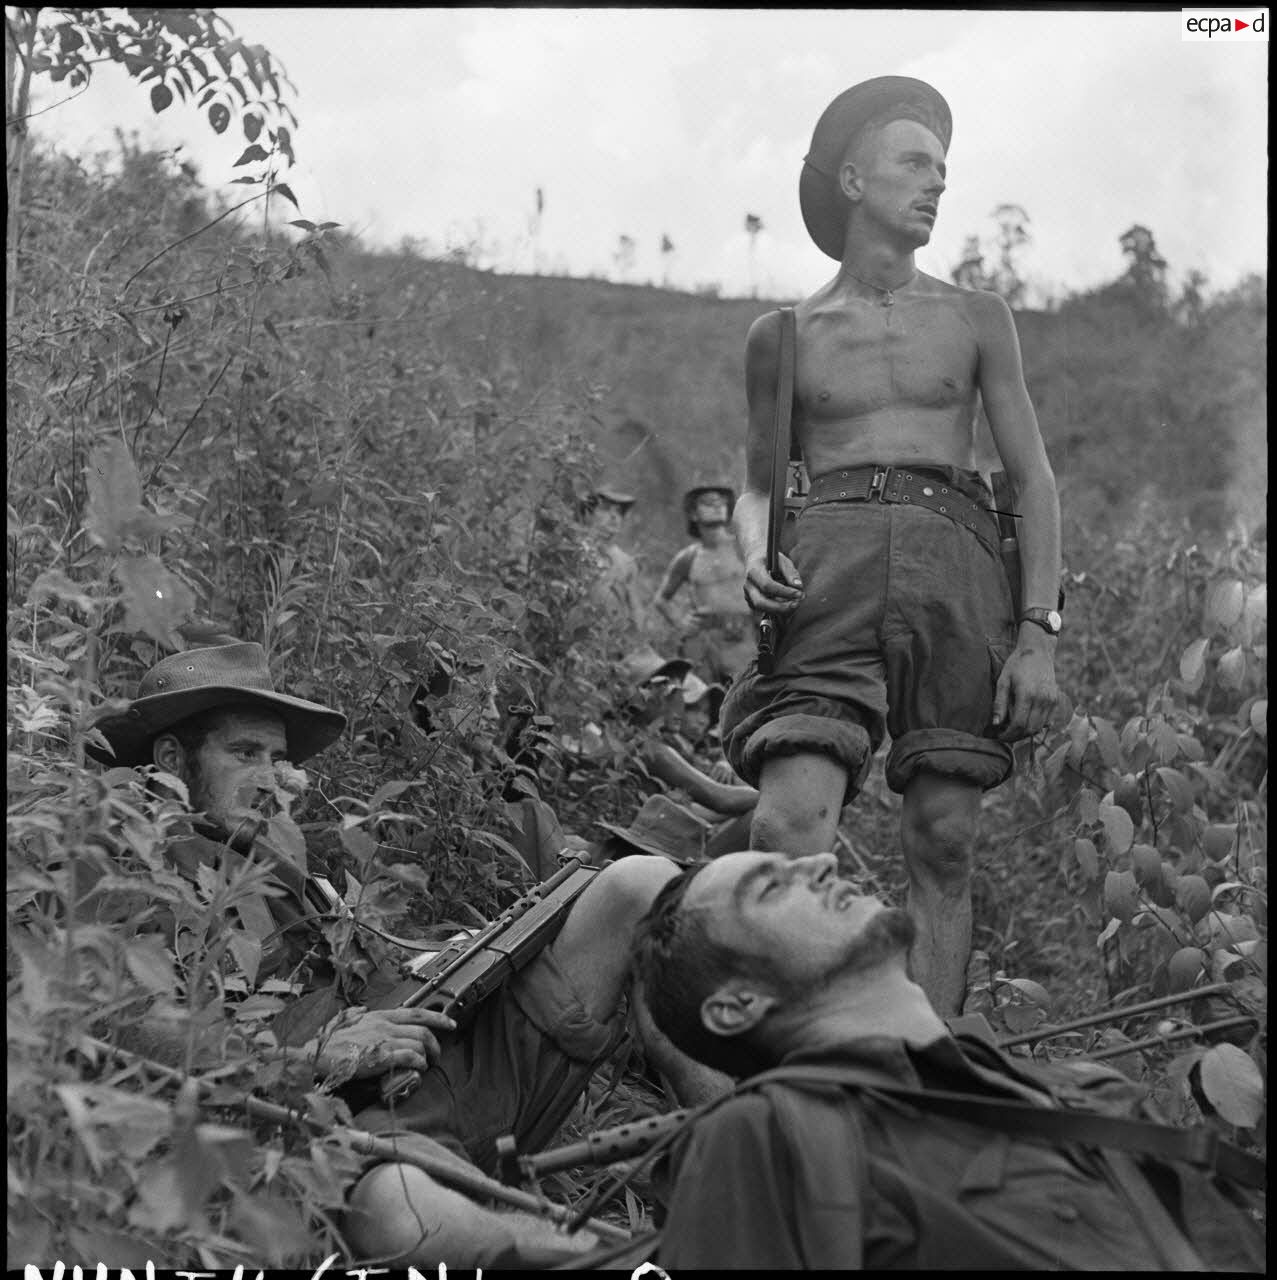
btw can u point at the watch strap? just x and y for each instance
(1041, 618)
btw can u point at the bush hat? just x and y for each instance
(823, 203)
(689, 503)
(665, 829)
(615, 496)
(694, 689)
(646, 664)
(186, 684)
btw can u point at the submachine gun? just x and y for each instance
(456, 980)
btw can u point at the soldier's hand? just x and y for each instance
(368, 1042)
(767, 595)
(723, 772)
(1026, 693)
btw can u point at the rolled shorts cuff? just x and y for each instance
(787, 735)
(949, 753)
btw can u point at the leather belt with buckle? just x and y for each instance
(908, 486)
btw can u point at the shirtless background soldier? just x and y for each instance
(896, 614)
(720, 641)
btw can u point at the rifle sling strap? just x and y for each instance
(1198, 1146)
(781, 449)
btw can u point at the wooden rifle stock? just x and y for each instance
(1008, 538)
(768, 626)
(461, 976)
(1004, 501)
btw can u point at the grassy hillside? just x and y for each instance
(1128, 405)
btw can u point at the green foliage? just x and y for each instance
(204, 441)
(1155, 796)
(188, 53)
(107, 1158)
(373, 464)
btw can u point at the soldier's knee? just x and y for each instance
(782, 827)
(396, 1210)
(771, 829)
(939, 839)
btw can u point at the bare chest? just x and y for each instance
(713, 565)
(865, 358)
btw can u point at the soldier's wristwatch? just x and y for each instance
(1048, 619)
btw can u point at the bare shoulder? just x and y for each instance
(762, 345)
(988, 312)
(684, 557)
(933, 286)
(976, 302)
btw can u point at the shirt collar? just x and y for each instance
(194, 849)
(968, 1061)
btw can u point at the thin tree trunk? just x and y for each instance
(16, 104)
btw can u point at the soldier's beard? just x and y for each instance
(238, 829)
(886, 934)
(889, 932)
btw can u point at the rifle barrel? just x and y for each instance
(1131, 1011)
(604, 1147)
(1185, 1033)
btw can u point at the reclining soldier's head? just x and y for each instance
(734, 956)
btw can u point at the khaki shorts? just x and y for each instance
(905, 623)
(518, 1068)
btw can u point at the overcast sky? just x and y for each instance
(440, 124)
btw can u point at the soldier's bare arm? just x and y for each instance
(676, 576)
(762, 357)
(1027, 690)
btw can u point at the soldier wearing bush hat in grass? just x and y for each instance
(894, 610)
(214, 719)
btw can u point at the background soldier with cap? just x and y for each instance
(213, 719)
(720, 635)
(616, 589)
(897, 616)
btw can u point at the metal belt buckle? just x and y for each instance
(879, 483)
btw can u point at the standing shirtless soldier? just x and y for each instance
(616, 587)
(896, 615)
(720, 641)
